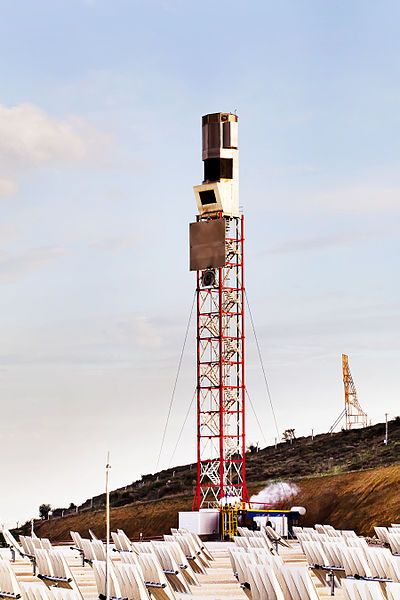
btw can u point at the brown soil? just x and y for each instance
(152, 519)
(356, 500)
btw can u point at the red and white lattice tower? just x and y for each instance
(216, 254)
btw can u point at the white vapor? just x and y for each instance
(274, 493)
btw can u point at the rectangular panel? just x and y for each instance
(230, 134)
(207, 244)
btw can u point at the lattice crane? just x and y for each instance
(353, 414)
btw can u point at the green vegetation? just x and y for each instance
(325, 454)
(325, 467)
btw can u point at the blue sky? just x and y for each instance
(100, 112)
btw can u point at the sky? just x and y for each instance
(100, 145)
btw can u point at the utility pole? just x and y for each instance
(108, 467)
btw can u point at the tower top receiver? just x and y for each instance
(219, 192)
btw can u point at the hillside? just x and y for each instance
(357, 500)
(335, 474)
(353, 500)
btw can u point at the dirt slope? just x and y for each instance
(357, 500)
(323, 454)
(151, 518)
(361, 499)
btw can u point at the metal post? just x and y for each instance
(332, 582)
(108, 467)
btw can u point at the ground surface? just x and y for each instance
(356, 500)
(350, 476)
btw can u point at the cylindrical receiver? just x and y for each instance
(220, 135)
(220, 146)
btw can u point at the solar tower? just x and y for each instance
(217, 257)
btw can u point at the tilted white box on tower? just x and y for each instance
(219, 192)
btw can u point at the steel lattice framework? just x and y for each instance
(221, 376)
(354, 415)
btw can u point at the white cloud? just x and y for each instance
(359, 198)
(292, 170)
(368, 194)
(30, 138)
(145, 333)
(115, 243)
(8, 187)
(299, 244)
(112, 341)
(9, 232)
(15, 266)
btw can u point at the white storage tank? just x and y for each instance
(202, 522)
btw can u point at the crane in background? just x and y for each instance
(353, 415)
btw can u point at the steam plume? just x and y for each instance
(276, 493)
